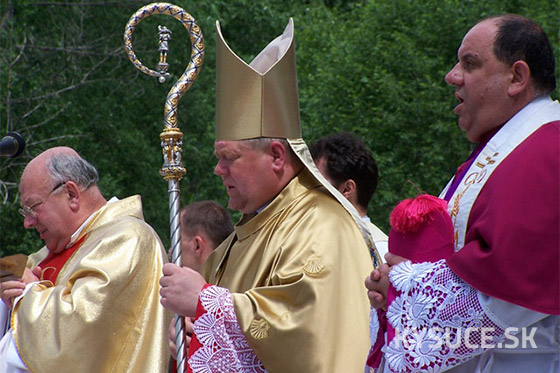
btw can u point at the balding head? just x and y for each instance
(36, 170)
(59, 192)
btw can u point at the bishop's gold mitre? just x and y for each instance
(259, 99)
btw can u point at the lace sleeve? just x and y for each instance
(223, 346)
(438, 320)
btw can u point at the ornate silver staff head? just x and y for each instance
(171, 136)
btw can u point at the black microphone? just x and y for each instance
(12, 145)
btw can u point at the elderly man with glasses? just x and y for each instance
(88, 301)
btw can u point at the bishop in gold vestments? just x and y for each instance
(295, 274)
(102, 314)
(284, 293)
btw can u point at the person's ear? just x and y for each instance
(72, 194)
(278, 153)
(198, 243)
(348, 188)
(521, 78)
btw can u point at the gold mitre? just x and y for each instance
(259, 99)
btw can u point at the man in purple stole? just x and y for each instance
(493, 305)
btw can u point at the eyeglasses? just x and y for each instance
(26, 211)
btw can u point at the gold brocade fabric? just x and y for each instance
(296, 272)
(103, 313)
(300, 149)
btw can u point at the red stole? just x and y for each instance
(54, 262)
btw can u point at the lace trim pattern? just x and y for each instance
(224, 347)
(438, 319)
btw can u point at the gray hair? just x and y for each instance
(66, 167)
(262, 143)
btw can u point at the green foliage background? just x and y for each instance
(372, 67)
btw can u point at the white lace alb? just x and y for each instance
(224, 347)
(438, 320)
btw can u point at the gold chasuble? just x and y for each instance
(296, 272)
(103, 313)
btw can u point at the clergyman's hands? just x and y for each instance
(377, 282)
(172, 335)
(180, 288)
(14, 288)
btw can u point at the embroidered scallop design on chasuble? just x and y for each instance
(314, 266)
(259, 329)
